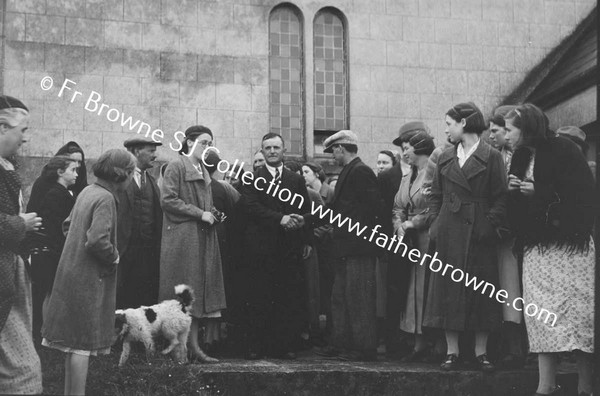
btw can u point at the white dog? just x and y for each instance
(170, 318)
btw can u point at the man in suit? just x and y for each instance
(276, 240)
(357, 197)
(139, 230)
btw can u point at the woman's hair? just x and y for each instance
(50, 170)
(114, 165)
(532, 122)
(422, 143)
(294, 166)
(81, 182)
(389, 154)
(317, 170)
(12, 111)
(474, 121)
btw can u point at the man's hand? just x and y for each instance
(32, 221)
(514, 183)
(306, 250)
(288, 222)
(299, 220)
(527, 188)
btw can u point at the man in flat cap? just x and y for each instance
(356, 197)
(139, 230)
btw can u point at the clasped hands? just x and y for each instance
(292, 222)
(526, 187)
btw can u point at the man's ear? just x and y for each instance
(3, 128)
(463, 122)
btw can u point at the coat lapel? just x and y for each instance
(477, 162)
(342, 179)
(452, 171)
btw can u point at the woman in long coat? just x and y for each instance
(190, 247)
(468, 203)
(79, 317)
(411, 213)
(552, 207)
(20, 369)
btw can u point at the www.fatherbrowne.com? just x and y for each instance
(392, 244)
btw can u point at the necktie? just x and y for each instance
(142, 180)
(277, 174)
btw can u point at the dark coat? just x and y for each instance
(126, 201)
(389, 183)
(263, 213)
(468, 205)
(81, 309)
(54, 209)
(12, 233)
(189, 247)
(357, 198)
(564, 205)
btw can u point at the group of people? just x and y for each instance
(517, 212)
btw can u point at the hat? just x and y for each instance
(572, 131)
(197, 130)
(8, 102)
(410, 127)
(140, 141)
(344, 136)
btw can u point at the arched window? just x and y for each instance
(330, 74)
(286, 76)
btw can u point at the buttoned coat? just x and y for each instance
(190, 248)
(81, 310)
(468, 205)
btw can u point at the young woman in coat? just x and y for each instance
(55, 206)
(411, 213)
(468, 203)
(552, 208)
(80, 314)
(190, 248)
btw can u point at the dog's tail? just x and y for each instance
(185, 295)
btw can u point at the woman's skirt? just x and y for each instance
(562, 284)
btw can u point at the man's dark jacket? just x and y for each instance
(356, 197)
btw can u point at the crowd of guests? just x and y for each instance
(516, 210)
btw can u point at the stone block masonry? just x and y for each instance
(176, 63)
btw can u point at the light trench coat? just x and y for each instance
(190, 247)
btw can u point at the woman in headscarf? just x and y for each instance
(410, 220)
(468, 207)
(80, 314)
(20, 369)
(552, 208)
(190, 248)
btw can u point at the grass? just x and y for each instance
(141, 375)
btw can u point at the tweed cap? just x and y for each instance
(140, 141)
(412, 126)
(344, 136)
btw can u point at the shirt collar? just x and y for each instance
(271, 169)
(460, 151)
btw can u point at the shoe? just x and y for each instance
(451, 363)
(484, 364)
(415, 356)
(556, 392)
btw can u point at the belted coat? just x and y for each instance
(468, 209)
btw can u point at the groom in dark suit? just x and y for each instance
(139, 230)
(275, 239)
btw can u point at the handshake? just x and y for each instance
(292, 222)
